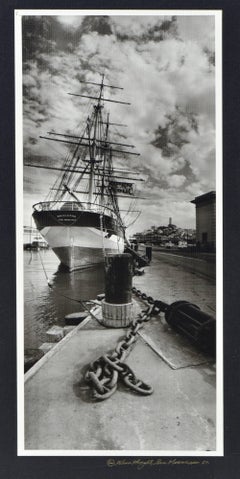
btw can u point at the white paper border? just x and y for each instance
(19, 233)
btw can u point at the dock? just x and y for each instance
(180, 415)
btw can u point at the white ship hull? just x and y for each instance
(81, 247)
(82, 231)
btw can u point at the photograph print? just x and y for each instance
(119, 226)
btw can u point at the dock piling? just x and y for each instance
(117, 306)
(149, 253)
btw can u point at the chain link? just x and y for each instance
(158, 306)
(104, 373)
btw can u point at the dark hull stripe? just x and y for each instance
(77, 218)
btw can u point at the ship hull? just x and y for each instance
(75, 257)
(82, 243)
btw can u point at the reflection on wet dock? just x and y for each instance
(180, 415)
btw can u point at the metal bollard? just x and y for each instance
(187, 319)
(117, 307)
(198, 326)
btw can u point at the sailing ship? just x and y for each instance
(81, 219)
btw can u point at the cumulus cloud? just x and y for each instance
(176, 180)
(166, 67)
(70, 21)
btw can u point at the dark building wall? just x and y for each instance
(206, 219)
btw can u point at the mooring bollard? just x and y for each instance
(149, 252)
(117, 307)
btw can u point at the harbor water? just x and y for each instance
(45, 307)
(172, 278)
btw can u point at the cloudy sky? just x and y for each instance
(165, 65)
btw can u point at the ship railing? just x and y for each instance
(73, 206)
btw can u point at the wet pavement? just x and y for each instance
(172, 278)
(180, 415)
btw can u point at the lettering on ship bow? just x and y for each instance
(66, 218)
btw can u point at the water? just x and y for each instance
(45, 307)
(168, 278)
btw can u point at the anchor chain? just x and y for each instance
(186, 318)
(105, 372)
(157, 305)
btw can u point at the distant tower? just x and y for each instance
(170, 222)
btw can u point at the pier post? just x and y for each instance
(117, 307)
(149, 252)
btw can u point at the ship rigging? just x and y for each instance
(80, 218)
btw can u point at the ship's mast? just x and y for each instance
(99, 148)
(104, 162)
(93, 148)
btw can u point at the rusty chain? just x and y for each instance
(105, 372)
(158, 306)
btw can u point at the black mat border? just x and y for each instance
(12, 466)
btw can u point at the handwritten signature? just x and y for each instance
(140, 463)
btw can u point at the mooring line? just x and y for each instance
(83, 303)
